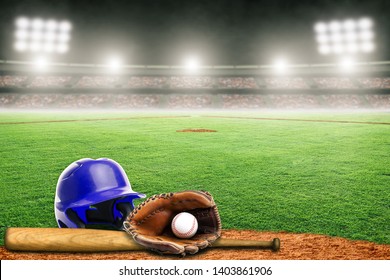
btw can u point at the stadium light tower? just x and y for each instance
(40, 36)
(345, 37)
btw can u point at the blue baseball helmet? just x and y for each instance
(93, 194)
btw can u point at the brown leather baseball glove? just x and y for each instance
(150, 222)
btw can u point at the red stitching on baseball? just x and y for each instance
(186, 233)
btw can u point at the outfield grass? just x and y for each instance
(269, 175)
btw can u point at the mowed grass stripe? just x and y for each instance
(300, 120)
(87, 120)
(326, 178)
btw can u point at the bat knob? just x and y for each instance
(276, 244)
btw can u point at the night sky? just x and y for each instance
(218, 32)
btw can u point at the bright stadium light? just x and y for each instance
(42, 36)
(280, 65)
(322, 38)
(21, 46)
(349, 25)
(35, 46)
(347, 64)
(192, 64)
(22, 22)
(365, 23)
(343, 37)
(50, 36)
(36, 35)
(41, 63)
(320, 27)
(352, 47)
(366, 35)
(63, 37)
(351, 36)
(335, 26)
(65, 26)
(338, 48)
(367, 47)
(114, 63)
(324, 49)
(48, 47)
(61, 48)
(37, 24)
(21, 35)
(51, 25)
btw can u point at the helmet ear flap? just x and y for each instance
(61, 224)
(125, 208)
(72, 215)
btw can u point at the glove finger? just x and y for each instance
(160, 244)
(191, 249)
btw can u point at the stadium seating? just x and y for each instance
(195, 92)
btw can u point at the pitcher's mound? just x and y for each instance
(196, 130)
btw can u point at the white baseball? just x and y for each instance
(184, 225)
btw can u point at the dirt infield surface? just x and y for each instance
(293, 247)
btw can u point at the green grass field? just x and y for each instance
(270, 174)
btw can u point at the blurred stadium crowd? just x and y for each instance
(192, 82)
(195, 92)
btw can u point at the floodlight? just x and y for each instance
(324, 49)
(50, 36)
(322, 38)
(35, 46)
(21, 34)
(22, 23)
(351, 36)
(114, 63)
(352, 47)
(336, 37)
(349, 25)
(280, 65)
(365, 23)
(366, 35)
(348, 36)
(320, 27)
(39, 35)
(51, 25)
(21, 46)
(192, 64)
(40, 63)
(367, 47)
(346, 64)
(62, 48)
(63, 37)
(37, 24)
(36, 35)
(335, 26)
(48, 47)
(338, 48)
(65, 26)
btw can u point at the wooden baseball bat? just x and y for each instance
(94, 240)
